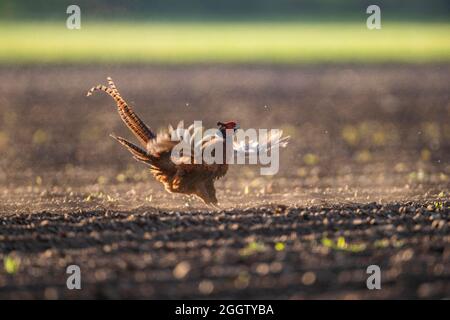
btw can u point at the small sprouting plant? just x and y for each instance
(11, 264)
(343, 245)
(279, 246)
(252, 248)
(439, 205)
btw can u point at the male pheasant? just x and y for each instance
(178, 175)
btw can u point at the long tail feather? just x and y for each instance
(112, 85)
(137, 152)
(131, 119)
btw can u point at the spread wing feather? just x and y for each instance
(274, 140)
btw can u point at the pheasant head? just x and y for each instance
(225, 127)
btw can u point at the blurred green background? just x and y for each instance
(232, 31)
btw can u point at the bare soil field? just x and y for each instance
(364, 181)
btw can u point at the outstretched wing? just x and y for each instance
(274, 140)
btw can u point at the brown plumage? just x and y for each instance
(177, 176)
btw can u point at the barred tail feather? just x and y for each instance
(137, 152)
(131, 119)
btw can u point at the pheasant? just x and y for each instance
(179, 175)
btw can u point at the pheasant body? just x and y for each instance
(181, 176)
